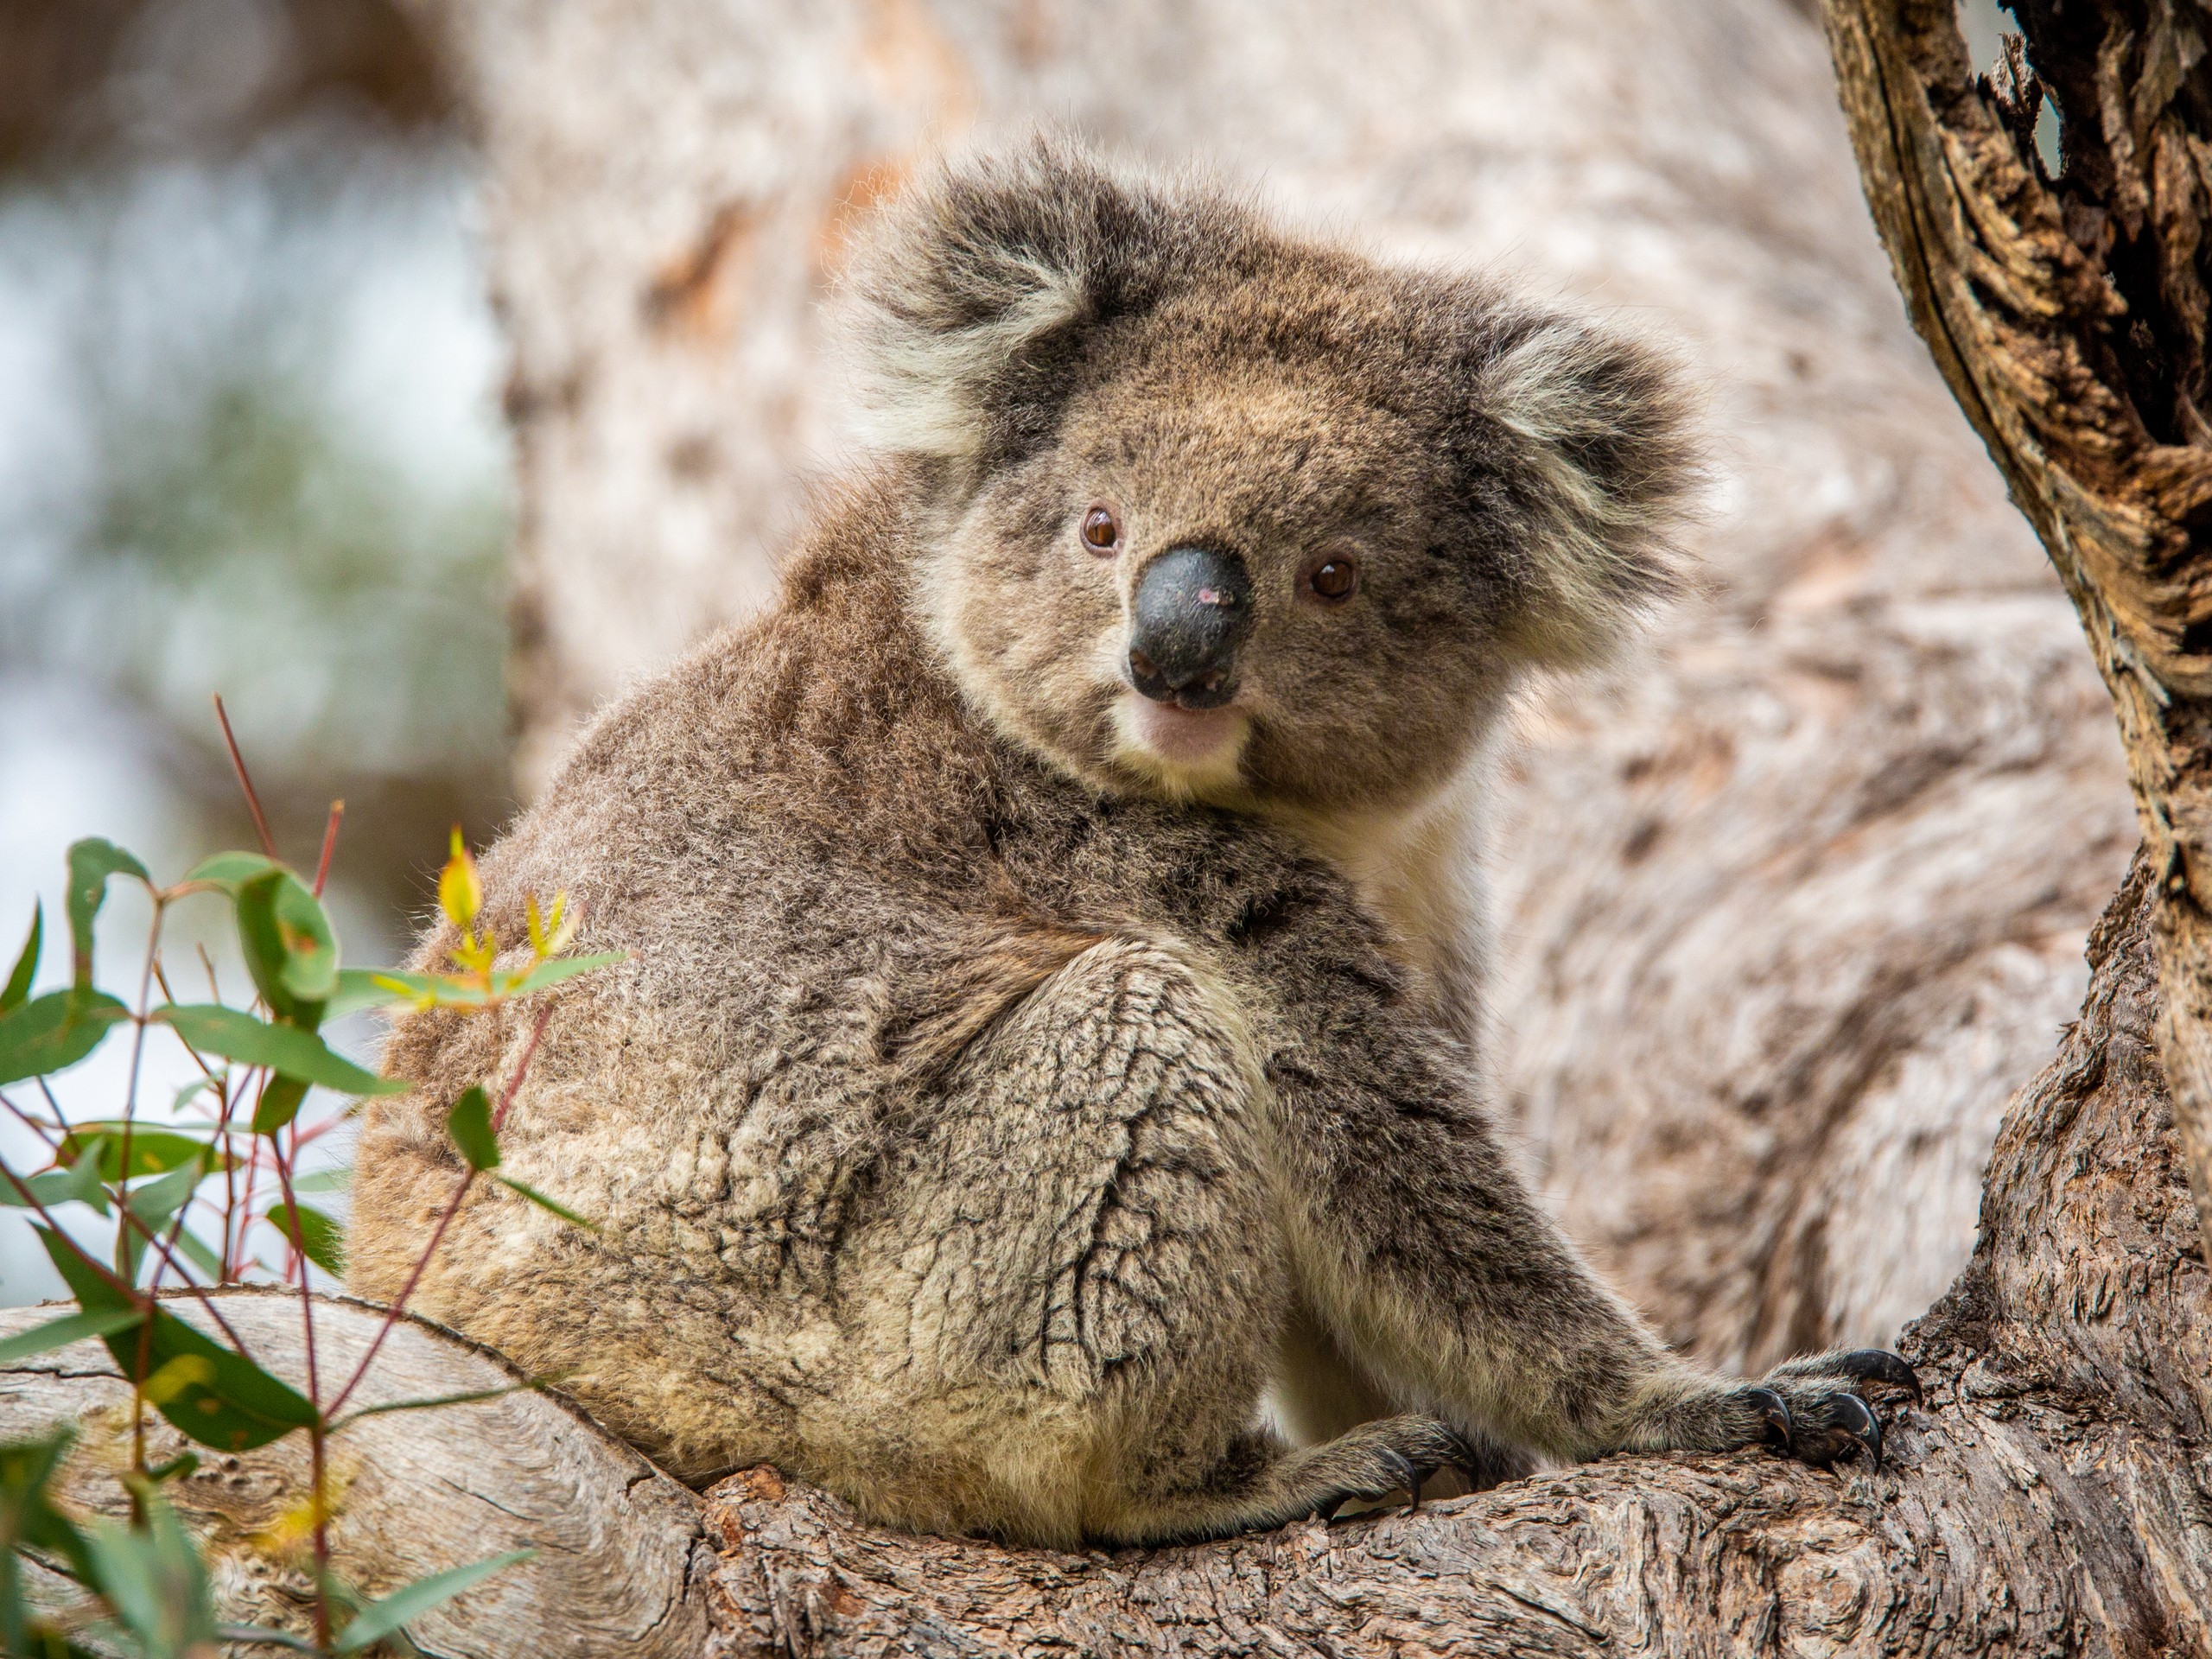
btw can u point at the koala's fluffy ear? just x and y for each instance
(1599, 464)
(973, 298)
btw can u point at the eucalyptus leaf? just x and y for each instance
(314, 1235)
(560, 968)
(90, 862)
(231, 870)
(544, 1203)
(368, 987)
(231, 1403)
(51, 1033)
(18, 987)
(469, 1124)
(289, 946)
(153, 1151)
(214, 1029)
(382, 1618)
(72, 1327)
(278, 1105)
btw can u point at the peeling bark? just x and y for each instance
(2068, 315)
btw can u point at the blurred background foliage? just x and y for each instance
(249, 438)
(250, 444)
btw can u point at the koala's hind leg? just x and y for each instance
(1077, 1282)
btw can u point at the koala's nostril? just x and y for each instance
(1191, 613)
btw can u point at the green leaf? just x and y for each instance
(90, 862)
(469, 1124)
(553, 972)
(78, 1184)
(226, 1401)
(290, 947)
(52, 1032)
(472, 1397)
(214, 1029)
(324, 1180)
(19, 982)
(59, 1333)
(153, 1579)
(442, 990)
(367, 988)
(27, 1516)
(544, 1203)
(278, 1105)
(382, 1618)
(199, 1254)
(153, 1151)
(154, 1204)
(231, 870)
(314, 1235)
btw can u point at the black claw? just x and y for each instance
(1856, 1417)
(1879, 1365)
(1775, 1411)
(1420, 1478)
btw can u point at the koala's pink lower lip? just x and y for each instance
(1186, 734)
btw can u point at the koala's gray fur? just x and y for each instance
(1001, 1094)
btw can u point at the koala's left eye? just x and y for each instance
(1335, 578)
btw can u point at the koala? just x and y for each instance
(1042, 1097)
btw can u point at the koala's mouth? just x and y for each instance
(1188, 739)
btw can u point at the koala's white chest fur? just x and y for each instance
(1418, 871)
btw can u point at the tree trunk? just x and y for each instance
(2068, 316)
(2049, 1498)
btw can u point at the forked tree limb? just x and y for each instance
(2068, 317)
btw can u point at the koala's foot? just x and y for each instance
(1397, 1454)
(1819, 1408)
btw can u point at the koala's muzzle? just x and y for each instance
(1191, 610)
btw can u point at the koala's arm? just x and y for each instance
(1421, 1249)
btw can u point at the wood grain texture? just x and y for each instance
(1787, 907)
(2050, 1498)
(618, 1544)
(2069, 315)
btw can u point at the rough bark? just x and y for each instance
(2068, 316)
(619, 1569)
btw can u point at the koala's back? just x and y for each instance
(786, 834)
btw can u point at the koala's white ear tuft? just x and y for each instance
(970, 301)
(1600, 430)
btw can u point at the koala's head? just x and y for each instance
(1220, 512)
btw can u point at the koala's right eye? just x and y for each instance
(1101, 532)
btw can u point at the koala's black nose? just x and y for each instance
(1192, 609)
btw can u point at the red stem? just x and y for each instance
(238, 764)
(329, 846)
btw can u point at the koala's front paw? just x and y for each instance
(1825, 1414)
